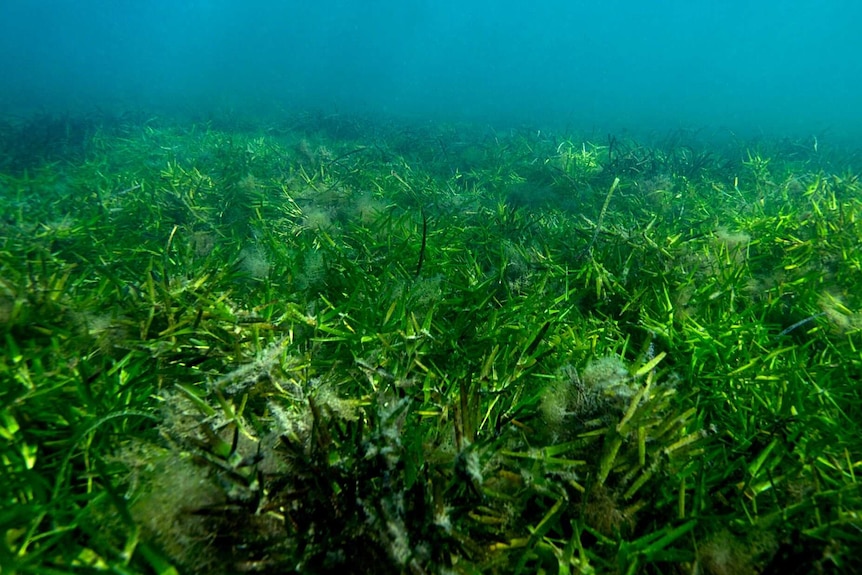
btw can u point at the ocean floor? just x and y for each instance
(329, 345)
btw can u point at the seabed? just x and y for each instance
(336, 345)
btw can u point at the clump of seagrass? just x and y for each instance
(269, 472)
(595, 397)
(629, 434)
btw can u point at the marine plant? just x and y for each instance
(345, 346)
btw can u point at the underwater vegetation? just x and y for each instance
(334, 345)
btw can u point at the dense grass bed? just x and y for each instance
(329, 345)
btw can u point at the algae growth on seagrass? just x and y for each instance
(339, 345)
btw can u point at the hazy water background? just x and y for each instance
(792, 67)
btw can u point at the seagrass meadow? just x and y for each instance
(336, 345)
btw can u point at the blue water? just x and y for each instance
(790, 67)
